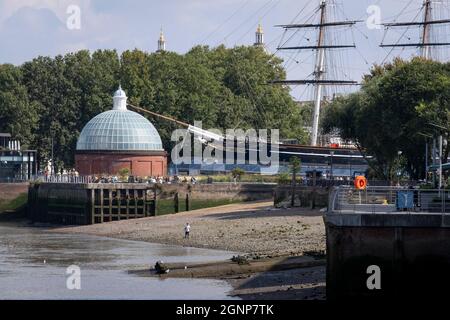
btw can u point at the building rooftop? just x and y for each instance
(119, 130)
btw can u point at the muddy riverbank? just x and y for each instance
(277, 238)
(301, 277)
(34, 262)
(254, 227)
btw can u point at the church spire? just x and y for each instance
(161, 42)
(259, 36)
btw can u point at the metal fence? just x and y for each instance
(385, 199)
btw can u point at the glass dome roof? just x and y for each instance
(119, 130)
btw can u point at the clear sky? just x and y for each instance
(29, 28)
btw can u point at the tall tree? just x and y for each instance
(18, 115)
(397, 103)
(224, 88)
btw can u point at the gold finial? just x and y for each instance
(259, 29)
(161, 35)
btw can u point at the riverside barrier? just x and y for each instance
(90, 203)
(388, 243)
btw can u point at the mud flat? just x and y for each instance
(254, 228)
(301, 277)
(277, 242)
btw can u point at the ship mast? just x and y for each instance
(319, 70)
(426, 30)
(425, 43)
(318, 75)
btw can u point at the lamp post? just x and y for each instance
(398, 169)
(440, 161)
(426, 160)
(350, 169)
(53, 160)
(331, 165)
(427, 136)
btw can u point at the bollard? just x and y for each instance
(176, 203)
(188, 202)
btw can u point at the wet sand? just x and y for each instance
(300, 277)
(254, 228)
(34, 262)
(268, 236)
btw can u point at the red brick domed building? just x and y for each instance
(117, 139)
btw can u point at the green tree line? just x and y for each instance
(53, 98)
(399, 105)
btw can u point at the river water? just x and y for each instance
(33, 265)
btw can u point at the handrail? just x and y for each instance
(379, 199)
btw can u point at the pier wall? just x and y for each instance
(71, 203)
(411, 250)
(305, 196)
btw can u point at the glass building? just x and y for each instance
(16, 163)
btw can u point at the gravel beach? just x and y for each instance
(252, 228)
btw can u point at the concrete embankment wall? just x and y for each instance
(304, 196)
(230, 191)
(95, 203)
(412, 252)
(13, 198)
(59, 202)
(10, 191)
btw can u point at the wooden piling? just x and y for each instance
(176, 203)
(188, 202)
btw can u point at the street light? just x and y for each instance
(398, 172)
(441, 129)
(426, 136)
(331, 164)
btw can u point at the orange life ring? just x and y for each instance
(360, 182)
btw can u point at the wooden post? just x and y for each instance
(110, 204)
(135, 203)
(102, 207)
(188, 202)
(128, 203)
(92, 206)
(294, 181)
(119, 200)
(314, 178)
(176, 203)
(155, 211)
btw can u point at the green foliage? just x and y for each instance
(237, 173)
(124, 173)
(17, 113)
(394, 106)
(295, 165)
(15, 204)
(283, 178)
(224, 88)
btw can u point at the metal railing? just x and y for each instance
(386, 199)
(66, 179)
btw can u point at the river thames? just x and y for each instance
(33, 264)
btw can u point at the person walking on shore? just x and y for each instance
(187, 230)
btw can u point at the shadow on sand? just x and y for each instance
(298, 283)
(266, 212)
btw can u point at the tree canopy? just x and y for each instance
(53, 98)
(397, 105)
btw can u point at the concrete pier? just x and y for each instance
(410, 248)
(90, 203)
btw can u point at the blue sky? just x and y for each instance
(29, 28)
